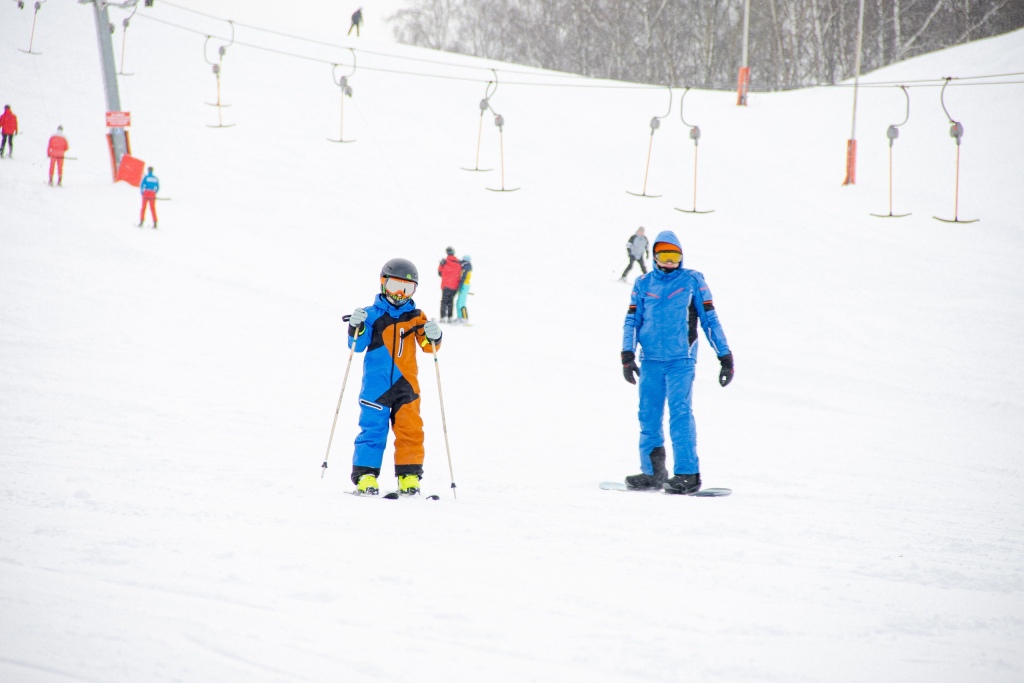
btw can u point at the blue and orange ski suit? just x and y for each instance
(390, 391)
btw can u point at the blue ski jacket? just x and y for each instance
(149, 183)
(664, 310)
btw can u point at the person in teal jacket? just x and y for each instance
(460, 303)
(665, 308)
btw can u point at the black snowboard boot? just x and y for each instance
(651, 481)
(683, 483)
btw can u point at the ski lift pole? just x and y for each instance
(32, 35)
(499, 121)
(485, 104)
(892, 133)
(444, 423)
(345, 91)
(124, 37)
(217, 68)
(344, 381)
(956, 130)
(695, 136)
(655, 124)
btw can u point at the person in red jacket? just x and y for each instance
(450, 271)
(8, 129)
(55, 150)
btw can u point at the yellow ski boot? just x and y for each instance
(367, 485)
(409, 484)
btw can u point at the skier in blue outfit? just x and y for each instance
(664, 309)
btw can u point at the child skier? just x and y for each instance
(460, 304)
(388, 330)
(664, 309)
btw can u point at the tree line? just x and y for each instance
(698, 43)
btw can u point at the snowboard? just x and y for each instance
(703, 493)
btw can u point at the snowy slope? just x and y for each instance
(166, 396)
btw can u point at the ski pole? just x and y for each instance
(337, 410)
(444, 424)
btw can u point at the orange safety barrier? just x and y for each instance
(851, 162)
(742, 84)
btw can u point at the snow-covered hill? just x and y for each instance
(166, 395)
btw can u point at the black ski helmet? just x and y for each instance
(400, 268)
(450, 251)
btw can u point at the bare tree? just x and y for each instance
(792, 42)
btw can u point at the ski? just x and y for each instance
(703, 493)
(393, 495)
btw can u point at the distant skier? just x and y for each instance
(149, 187)
(357, 21)
(56, 149)
(388, 330)
(636, 249)
(450, 272)
(8, 129)
(665, 307)
(467, 275)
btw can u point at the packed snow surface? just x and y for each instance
(166, 395)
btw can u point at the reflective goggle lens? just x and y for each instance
(399, 288)
(668, 257)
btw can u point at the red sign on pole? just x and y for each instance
(119, 119)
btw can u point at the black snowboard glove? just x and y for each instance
(725, 376)
(629, 366)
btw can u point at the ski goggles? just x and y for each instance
(398, 289)
(668, 257)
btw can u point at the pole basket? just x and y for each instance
(851, 162)
(742, 84)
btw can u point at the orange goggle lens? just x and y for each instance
(398, 289)
(668, 257)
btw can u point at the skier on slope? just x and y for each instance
(450, 272)
(149, 187)
(8, 129)
(56, 148)
(664, 309)
(357, 21)
(460, 304)
(389, 330)
(636, 249)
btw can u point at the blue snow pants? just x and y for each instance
(671, 381)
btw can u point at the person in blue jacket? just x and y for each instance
(389, 330)
(149, 186)
(665, 307)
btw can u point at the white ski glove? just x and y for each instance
(432, 330)
(357, 318)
